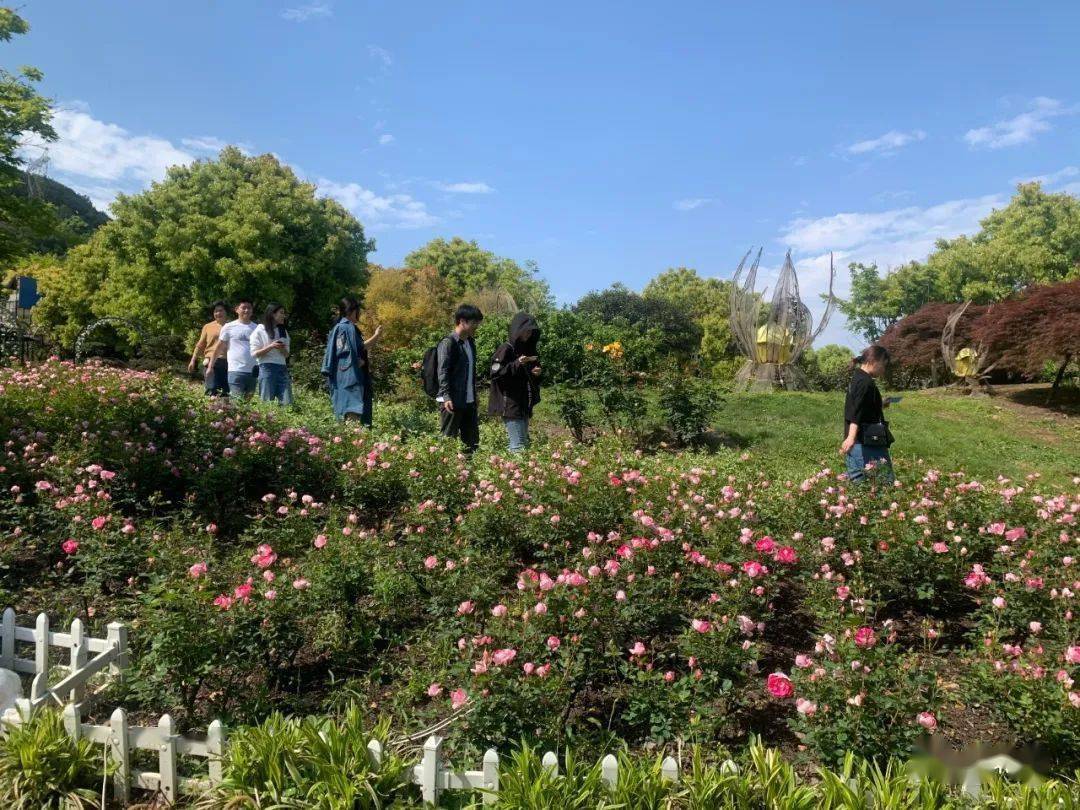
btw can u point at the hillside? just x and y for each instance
(77, 214)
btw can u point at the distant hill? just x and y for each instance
(78, 216)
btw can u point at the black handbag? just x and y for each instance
(876, 434)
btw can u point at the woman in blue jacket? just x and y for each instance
(345, 365)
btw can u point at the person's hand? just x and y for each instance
(846, 445)
(376, 333)
(528, 359)
(448, 406)
(536, 371)
(191, 366)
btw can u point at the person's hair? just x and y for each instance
(871, 354)
(272, 329)
(467, 312)
(216, 304)
(347, 306)
(243, 299)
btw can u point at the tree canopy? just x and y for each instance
(23, 112)
(406, 302)
(1035, 239)
(468, 268)
(220, 228)
(914, 342)
(668, 326)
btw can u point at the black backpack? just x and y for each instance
(429, 371)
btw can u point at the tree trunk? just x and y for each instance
(1059, 377)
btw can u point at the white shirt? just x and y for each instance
(237, 337)
(260, 340)
(470, 391)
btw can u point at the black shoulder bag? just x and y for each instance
(876, 434)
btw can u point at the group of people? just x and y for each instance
(240, 356)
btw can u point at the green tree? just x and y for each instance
(708, 302)
(215, 229)
(1035, 239)
(468, 268)
(23, 112)
(666, 329)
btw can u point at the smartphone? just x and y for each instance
(893, 400)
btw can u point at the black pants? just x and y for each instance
(216, 381)
(463, 422)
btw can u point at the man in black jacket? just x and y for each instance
(458, 415)
(515, 380)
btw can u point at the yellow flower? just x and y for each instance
(614, 350)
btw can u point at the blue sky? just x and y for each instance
(606, 141)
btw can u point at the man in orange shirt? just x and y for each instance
(216, 372)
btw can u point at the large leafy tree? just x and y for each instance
(914, 342)
(469, 268)
(23, 112)
(1035, 239)
(406, 302)
(233, 226)
(668, 327)
(707, 301)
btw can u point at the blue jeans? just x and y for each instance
(517, 431)
(860, 455)
(274, 383)
(241, 384)
(216, 381)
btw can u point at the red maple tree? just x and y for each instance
(914, 342)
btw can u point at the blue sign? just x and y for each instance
(28, 294)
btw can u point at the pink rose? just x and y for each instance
(465, 608)
(553, 643)
(320, 541)
(434, 690)
(70, 546)
(765, 545)
(264, 556)
(458, 698)
(503, 657)
(498, 611)
(637, 649)
(701, 625)
(779, 685)
(864, 637)
(1072, 654)
(803, 661)
(431, 562)
(804, 706)
(786, 555)
(301, 584)
(926, 720)
(998, 602)
(197, 570)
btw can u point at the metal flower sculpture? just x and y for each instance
(773, 336)
(969, 363)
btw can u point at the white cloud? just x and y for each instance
(381, 55)
(101, 159)
(887, 238)
(1022, 128)
(1049, 180)
(212, 145)
(691, 203)
(466, 188)
(376, 211)
(311, 11)
(386, 138)
(887, 143)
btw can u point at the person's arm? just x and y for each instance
(327, 369)
(849, 440)
(197, 352)
(442, 355)
(854, 407)
(222, 345)
(371, 341)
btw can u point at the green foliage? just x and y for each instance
(827, 368)
(76, 217)
(23, 112)
(468, 268)
(664, 330)
(215, 229)
(42, 768)
(1035, 239)
(688, 406)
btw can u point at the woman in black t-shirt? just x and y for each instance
(864, 407)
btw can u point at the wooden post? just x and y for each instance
(39, 688)
(609, 770)
(7, 640)
(215, 746)
(669, 769)
(41, 644)
(430, 767)
(375, 754)
(550, 763)
(119, 750)
(78, 657)
(167, 759)
(491, 776)
(116, 635)
(73, 720)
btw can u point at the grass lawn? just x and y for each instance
(984, 437)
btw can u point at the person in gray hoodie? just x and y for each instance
(515, 380)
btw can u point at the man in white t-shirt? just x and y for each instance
(234, 343)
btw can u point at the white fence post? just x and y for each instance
(167, 759)
(491, 776)
(7, 640)
(609, 770)
(375, 754)
(669, 769)
(550, 763)
(119, 749)
(215, 747)
(41, 644)
(78, 656)
(73, 720)
(430, 770)
(116, 635)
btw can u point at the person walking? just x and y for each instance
(345, 365)
(866, 433)
(270, 346)
(234, 343)
(216, 371)
(515, 380)
(456, 362)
